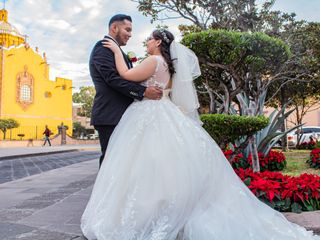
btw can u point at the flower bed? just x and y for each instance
(307, 145)
(282, 192)
(314, 160)
(274, 161)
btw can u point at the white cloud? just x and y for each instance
(91, 3)
(75, 70)
(56, 23)
(77, 10)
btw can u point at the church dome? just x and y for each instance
(7, 28)
(9, 35)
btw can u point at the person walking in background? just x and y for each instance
(47, 134)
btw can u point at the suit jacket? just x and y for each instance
(113, 94)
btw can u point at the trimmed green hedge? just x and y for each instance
(226, 129)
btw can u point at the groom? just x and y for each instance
(113, 94)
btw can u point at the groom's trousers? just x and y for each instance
(104, 132)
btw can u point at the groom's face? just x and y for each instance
(123, 32)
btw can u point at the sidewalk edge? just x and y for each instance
(37, 154)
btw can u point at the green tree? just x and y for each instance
(85, 96)
(78, 129)
(233, 63)
(298, 86)
(6, 124)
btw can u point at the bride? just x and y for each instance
(164, 177)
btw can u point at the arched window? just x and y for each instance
(25, 88)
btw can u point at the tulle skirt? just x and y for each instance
(164, 178)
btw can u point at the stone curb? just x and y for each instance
(37, 154)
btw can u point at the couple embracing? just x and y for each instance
(162, 177)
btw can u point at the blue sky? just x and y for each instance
(66, 30)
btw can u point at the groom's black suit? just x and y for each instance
(113, 94)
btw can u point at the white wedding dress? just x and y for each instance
(164, 178)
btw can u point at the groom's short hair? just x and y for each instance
(119, 18)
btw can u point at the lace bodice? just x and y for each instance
(161, 75)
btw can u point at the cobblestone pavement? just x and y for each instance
(48, 205)
(22, 167)
(33, 219)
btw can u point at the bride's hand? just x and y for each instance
(108, 43)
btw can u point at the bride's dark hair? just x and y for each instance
(166, 38)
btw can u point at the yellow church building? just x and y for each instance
(26, 92)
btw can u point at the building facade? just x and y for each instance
(26, 92)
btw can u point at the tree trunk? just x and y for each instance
(212, 107)
(298, 122)
(226, 102)
(284, 142)
(254, 154)
(252, 142)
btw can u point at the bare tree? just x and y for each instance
(240, 15)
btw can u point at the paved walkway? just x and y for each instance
(8, 153)
(48, 205)
(21, 167)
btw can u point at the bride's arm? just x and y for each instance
(137, 74)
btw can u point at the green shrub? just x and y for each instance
(225, 129)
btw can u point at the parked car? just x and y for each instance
(306, 134)
(93, 136)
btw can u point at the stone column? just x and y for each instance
(63, 133)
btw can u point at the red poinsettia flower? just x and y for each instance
(315, 158)
(274, 187)
(274, 161)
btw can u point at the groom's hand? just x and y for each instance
(154, 93)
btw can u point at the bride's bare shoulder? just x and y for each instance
(151, 58)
